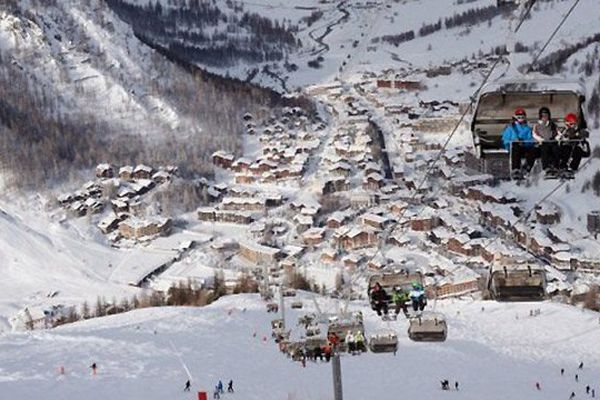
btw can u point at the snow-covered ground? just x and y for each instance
(494, 350)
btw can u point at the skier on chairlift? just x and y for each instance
(417, 296)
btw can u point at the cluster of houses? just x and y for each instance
(121, 190)
(285, 147)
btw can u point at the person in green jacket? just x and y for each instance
(400, 297)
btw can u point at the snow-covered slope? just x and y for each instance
(495, 351)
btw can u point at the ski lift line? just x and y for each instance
(525, 15)
(536, 58)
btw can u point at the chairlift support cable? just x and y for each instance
(536, 58)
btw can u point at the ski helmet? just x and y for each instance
(571, 118)
(520, 111)
(544, 110)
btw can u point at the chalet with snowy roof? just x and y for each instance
(105, 171)
(259, 254)
(547, 214)
(463, 244)
(358, 238)
(77, 209)
(337, 184)
(206, 214)
(303, 222)
(241, 165)
(142, 171)
(352, 261)
(223, 159)
(329, 256)
(244, 178)
(136, 228)
(262, 166)
(460, 282)
(361, 200)
(93, 206)
(233, 217)
(126, 172)
(142, 186)
(313, 236)
(373, 181)
(161, 176)
(243, 204)
(337, 219)
(92, 189)
(398, 207)
(375, 221)
(440, 236)
(424, 221)
(110, 223)
(341, 169)
(488, 194)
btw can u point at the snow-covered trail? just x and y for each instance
(492, 355)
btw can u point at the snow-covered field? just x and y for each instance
(494, 350)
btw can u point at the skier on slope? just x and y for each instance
(187, 387)
(230, 386)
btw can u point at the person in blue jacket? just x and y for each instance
(518, 134)
(417, 296)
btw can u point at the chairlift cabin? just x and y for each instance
(297, 304)
(428, 328)
(517, 282)
(385, 342)
(272, 307)
(496, 105)
(389, 281)
(341, 329)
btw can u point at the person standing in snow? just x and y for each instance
(230, 385)
(187, 387)
(576, 378)
(456, 385)
(216, 394)
(94, 367)
(572, 396)
(562, 371)
(587, 389)
(220, 387)
(537, 386)
(580, 365)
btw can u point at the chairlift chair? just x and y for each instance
(495, 107)
(385, 342)
(517, 283)
(428, 328)
(297, 304)
(389, 281)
